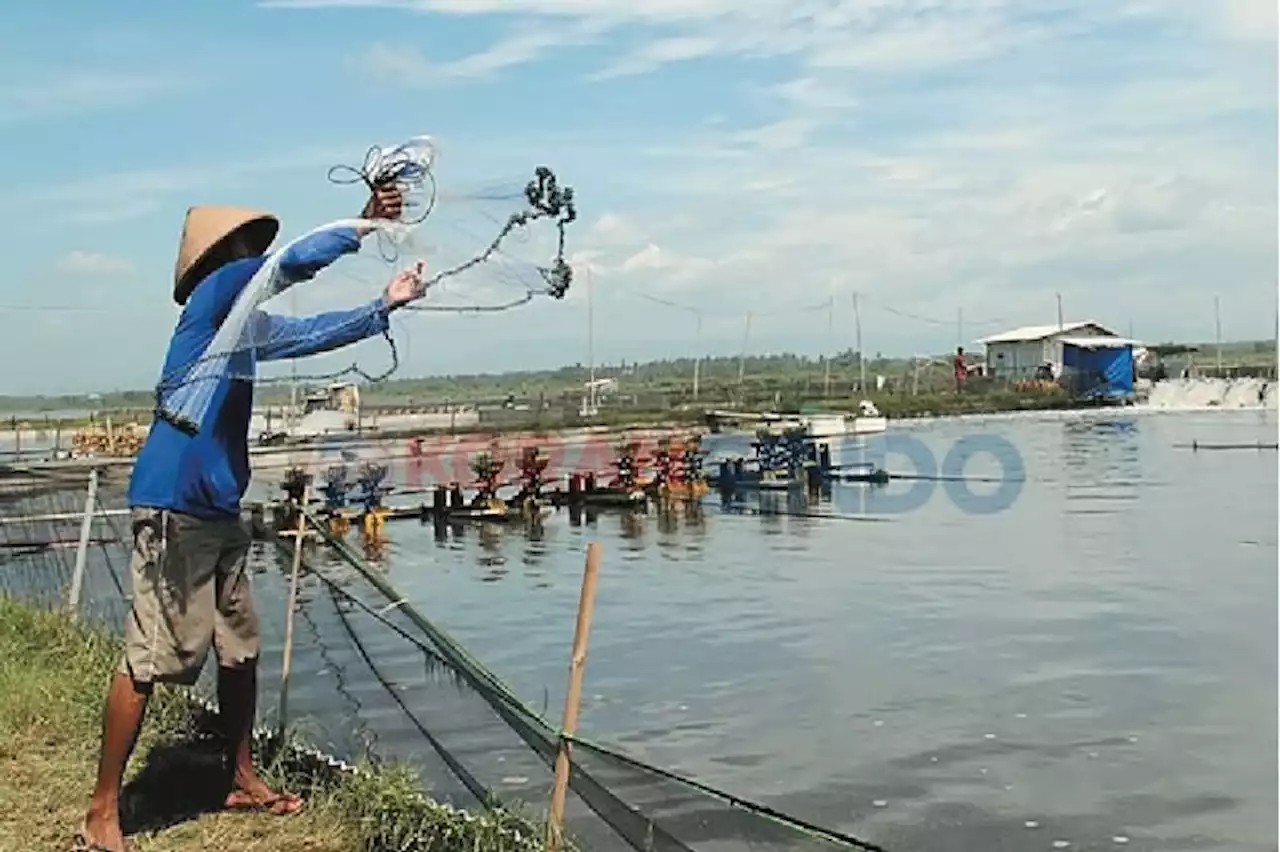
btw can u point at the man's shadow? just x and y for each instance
(179, 782)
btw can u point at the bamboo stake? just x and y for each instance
(287, 665)
(82, 549)
(573, 697)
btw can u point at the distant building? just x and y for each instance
(602, 386)
(1020, 352)
(1099, 367)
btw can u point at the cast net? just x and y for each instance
(486, 249)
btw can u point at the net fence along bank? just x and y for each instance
(374, 678)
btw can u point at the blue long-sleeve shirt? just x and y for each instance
(206, 473)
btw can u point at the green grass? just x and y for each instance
(948, 403)
(53, 678)
(671, 377)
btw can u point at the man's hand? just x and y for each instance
(385, 202)
(405, 287)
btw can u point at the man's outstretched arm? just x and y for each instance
(297, 337)
(280, 337)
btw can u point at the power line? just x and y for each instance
(64, 308)
(701, 312)
(931, 320)
(826, 306)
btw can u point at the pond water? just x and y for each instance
(1092, 664)
(1096, 661)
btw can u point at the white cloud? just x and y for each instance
(614, 229)
(115, 197)
(92, 263)
(660, 52)
(648, 259)
(76, 92)
(935, 155)
(865, 34)
(410, 67)
(1242, 20)
(990, 220)
(1136, 207)
(813, 93)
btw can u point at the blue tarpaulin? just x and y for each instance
(1099, 367)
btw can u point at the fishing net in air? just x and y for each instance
(486, 249)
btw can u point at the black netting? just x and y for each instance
(366, 662)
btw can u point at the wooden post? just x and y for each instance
(697, 358)
(1217, 335)
(862, 360)
(82, 549)
(831, 327)
(742, 359)
(287, 665)
(573, 697)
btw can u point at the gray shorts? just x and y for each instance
(190, 591)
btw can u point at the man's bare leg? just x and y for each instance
(237, 702)
(126, 706)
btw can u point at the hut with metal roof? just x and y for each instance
(1021, 352)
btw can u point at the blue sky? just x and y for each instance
(940, 157)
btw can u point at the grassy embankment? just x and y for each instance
(52, 681)
(658, 385)
(892, 405)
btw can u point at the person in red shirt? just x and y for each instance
(961, 371)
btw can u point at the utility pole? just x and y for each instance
(826, 379)
(591, 348)
(959, 327)
(1061, 324)
(857, 342)
(742, 359)
(697, 359)
(1217, 333)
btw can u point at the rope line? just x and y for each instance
(367, 736)
(482, 793)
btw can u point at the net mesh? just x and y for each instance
(477, 245)
(374, 663)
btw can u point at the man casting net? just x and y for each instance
(190, 590)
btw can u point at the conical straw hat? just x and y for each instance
(204, 229)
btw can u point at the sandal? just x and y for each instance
(82, 843)
(280, 804)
